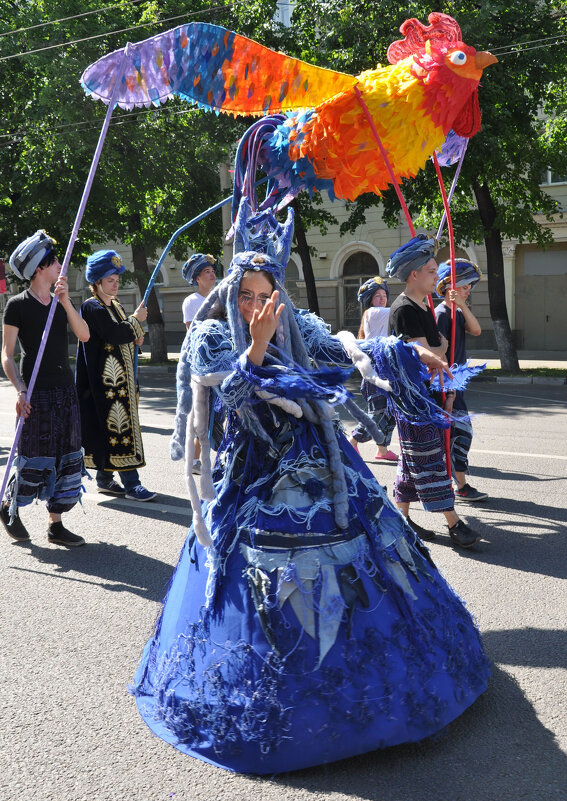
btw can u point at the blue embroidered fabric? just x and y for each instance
(292, 641)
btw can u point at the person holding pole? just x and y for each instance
(467, 275)
(422, 472)
(49, 465)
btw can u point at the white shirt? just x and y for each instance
(376, 322)
(191, 306)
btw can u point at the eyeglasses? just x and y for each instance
(248, 299)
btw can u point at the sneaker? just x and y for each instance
(422, 533)
(111, 488)
(470, 494)
(196, 469)
(59, 535)
(389, 456)
(16, 528)
(462, 535)
(139, 493)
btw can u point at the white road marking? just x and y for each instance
(513, 453)
(515, 395)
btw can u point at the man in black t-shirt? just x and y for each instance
(422, 472)
(49, 465)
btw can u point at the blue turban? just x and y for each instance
(195, 264)
(369, 288)
(411, 256)
(102, 264)
(466, 271)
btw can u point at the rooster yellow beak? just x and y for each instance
(484, 59)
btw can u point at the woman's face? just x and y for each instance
(110, 284)
(380, 298)
(254, 291)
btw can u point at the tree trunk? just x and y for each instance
(496, 283)
(156, 326)
(305, 256)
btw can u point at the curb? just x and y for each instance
(528, 379)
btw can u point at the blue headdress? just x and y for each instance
(467, 273)
(195, 264)
(411, 256)
(29, 254)
(369, 289)
(102, 264)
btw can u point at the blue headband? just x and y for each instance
(411, 256)
(466, 271)
(369, 289)
(102, 264)
(195, 265)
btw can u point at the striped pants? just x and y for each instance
(422, 472)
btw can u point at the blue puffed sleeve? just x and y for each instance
(213, 352)
(321, 345)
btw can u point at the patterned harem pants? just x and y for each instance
(422, 472)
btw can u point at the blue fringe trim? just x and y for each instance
(462, 374)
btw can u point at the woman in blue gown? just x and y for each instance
(305, 622)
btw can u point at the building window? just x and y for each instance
(291, 279)
(549, 177)
(356, 270)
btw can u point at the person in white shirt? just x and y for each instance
(199, 271)
(374, 295)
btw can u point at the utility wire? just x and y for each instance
(530, 42)
(112, 33)
(65, 19)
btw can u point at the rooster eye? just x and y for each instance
(458, 57)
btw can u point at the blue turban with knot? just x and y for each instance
(102, 264)
(466, 273)
(196, 264)
(369, 288)
(411, 256)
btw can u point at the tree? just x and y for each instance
(499, 192)
(159, 167)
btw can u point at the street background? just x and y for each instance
(74, 622)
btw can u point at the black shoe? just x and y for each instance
(111, 488)
(58, 534)
(16, 528)
(462, 535)
(470, 494)
(423, 533)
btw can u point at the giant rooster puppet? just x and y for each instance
(313, 133)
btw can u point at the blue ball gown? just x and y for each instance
(292, 642)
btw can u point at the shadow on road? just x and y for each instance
(116, 568)
(497, 751)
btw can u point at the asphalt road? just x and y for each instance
(73, 624)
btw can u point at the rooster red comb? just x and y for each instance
(443, 29)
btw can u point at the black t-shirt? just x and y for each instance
(29, 316)
(410, 320)
(443, 315)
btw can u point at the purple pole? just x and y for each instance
(67, 259)
(452, 190)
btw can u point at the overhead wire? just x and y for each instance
(66, 19)
(113, 32)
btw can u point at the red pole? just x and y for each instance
(453, 307)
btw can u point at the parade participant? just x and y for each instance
(106, 383)
(422, 472)
(374, 295)
(467, 275)
(200, 271)
(49, 465)
(304, 622)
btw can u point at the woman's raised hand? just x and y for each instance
(265, 321)
(263, 327)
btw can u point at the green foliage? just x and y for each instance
(159, 167)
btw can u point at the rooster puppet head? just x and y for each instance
(447, 68)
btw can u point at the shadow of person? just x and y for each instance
(116, 568)
(498, 750)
